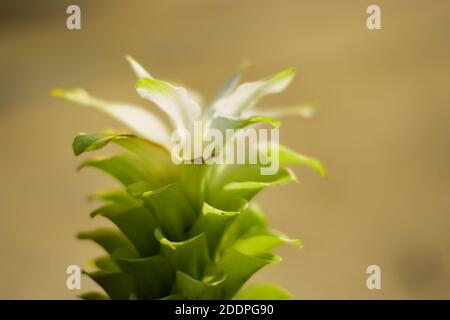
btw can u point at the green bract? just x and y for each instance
(187, 231)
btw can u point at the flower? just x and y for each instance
(234, 106)
(185, 231)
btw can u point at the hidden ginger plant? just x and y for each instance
(185, 230)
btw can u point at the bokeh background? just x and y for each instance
(382, 131)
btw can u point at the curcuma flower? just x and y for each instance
(185, 230)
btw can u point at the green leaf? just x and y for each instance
(288, 156)
(242, 181)
(264, 243)
(212, 222)
(117, 196)
(250, 222)
(109, 209)
(92, 295)
(239, 268)
(90, 142)
(192, 182)
(109, 239)
(140, 189)
(172, 210)
(153, 275)
(173, 297)
(154, 156)
(193, 289)
(156, 161)
(117, 285)
(152, 153)
(263, 291)
(247, 189)
(250, 235)
(190, 256)
(106, 263)
(137, 224)
(126, 168)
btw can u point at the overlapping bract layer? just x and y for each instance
(176, 235)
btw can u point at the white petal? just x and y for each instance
(140, 72)
(229, 85)
(137, 68)
(225, 91)
(193, 94)
(248, 94)
(303, 110)
(136, 118)
(175, 101)
(142, 122)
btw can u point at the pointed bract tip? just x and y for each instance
(290, 72)
(129, 58)
(57, 92)
(138, 69)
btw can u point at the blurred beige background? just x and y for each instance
(383, 131)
